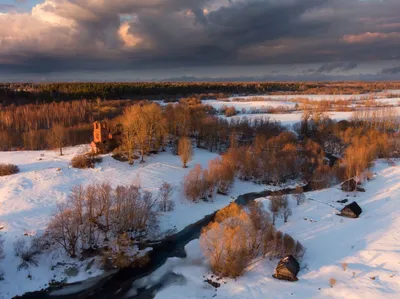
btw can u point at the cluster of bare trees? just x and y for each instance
(99, 215)
(270, 160)
(144, 129)
(279, 205)
(190, 118)
(365, 145)
(276, 159)
(385, 119)
(237, 236)
(202, 183)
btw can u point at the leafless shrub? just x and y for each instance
(27, 251)
(299, 195)
(8, 169)
(84, 161)
(164, 197)
(230, 111)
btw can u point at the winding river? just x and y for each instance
(117, 284)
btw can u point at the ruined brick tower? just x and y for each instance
(100, 132)
(104, 140)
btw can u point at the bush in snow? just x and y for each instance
(27, 252)
(8, 169)
(230, 111)
(122, 253)
(85, 161)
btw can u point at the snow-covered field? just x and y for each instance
(289, 119)
(369, 245)
(28, 199)
(250, 105)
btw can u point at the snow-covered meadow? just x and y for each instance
(257, 106)
(29, 198)
(289, 119)
(362, 254)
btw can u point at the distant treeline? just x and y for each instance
(23, 93)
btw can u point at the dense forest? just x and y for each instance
(23, 93)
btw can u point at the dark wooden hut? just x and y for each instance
(352, 210)
(287, 269)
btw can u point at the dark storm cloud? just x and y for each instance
(337, 66)
(138, 34)
(391, 71)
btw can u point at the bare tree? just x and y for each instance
(166, 204)
(286, 211)
(193, 184)
(64, 229)
(299, 196)
(275, 205)
(185, 150)
(57, 137)
(128, 139)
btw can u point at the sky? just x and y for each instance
(237, 40)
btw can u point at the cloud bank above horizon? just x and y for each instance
(331, 38)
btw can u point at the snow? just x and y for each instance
(389, 101)
(368, 245)
(250, 104)
(289, 119)
(29, 198)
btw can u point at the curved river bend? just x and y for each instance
(118, 284)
